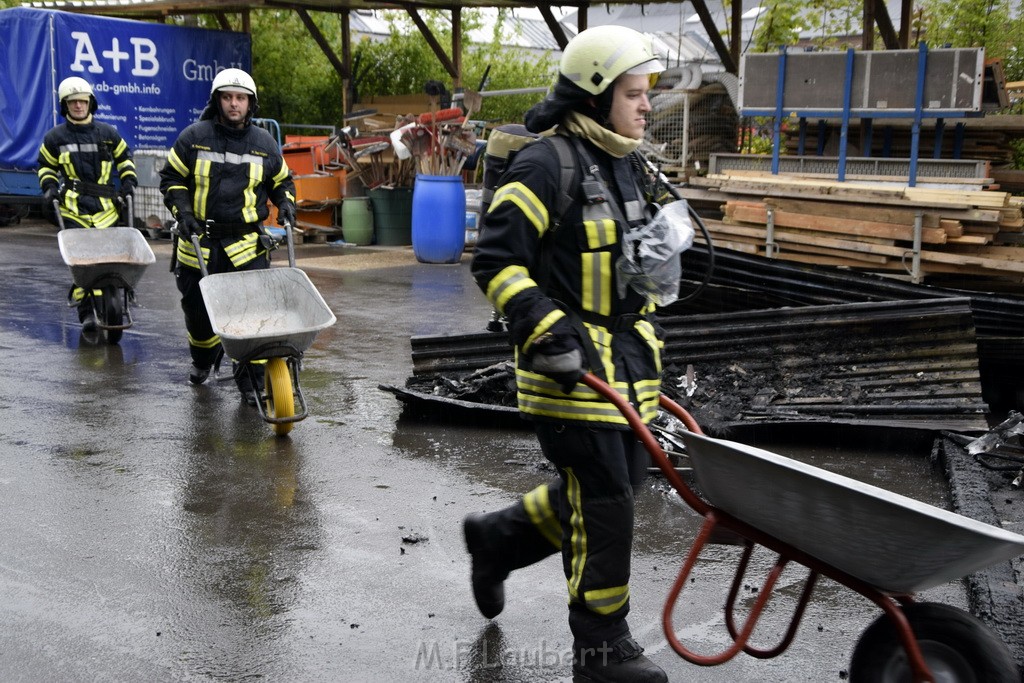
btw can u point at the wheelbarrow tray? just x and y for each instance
(895, 543)
(98, 254)
(265, 313)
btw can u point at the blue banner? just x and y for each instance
(150, 80)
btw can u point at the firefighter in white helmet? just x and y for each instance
(79, 161)
(219, 176)
(550, 267)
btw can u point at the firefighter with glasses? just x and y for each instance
(79, 161)
(219, 175)
(552, 269)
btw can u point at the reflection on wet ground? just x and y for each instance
(208, 548)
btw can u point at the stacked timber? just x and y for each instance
(870, 225)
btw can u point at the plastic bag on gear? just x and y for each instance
(650, 254)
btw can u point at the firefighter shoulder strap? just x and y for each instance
(502, 145)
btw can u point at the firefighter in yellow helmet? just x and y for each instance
(552, 273)
(78, 163)
(218, 177)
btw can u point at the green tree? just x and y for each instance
(298, 84)
(403, 62)
(990, 24)
(833, 22)
(779, 25)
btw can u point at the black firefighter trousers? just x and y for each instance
(197, 321)
(587, 513)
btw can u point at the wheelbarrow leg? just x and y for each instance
(740, 639)
(798, 613)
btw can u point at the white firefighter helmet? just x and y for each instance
(234, 80)
(75, 88)
(597, 56)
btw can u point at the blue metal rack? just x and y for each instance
(846, 115)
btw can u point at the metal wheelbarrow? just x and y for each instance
(880, 544)
(106, 263)
(273, 314)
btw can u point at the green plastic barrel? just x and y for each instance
(392, 215)
(357, 220)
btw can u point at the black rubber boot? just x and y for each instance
(250, 394)
(487, 577)
(622, 661)
(500, 542)
(198, 375)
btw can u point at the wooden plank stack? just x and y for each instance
(870, 225)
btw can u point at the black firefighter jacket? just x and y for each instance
(226, 175)
(554, 275)
(89, 153)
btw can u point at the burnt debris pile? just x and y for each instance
(908, 363)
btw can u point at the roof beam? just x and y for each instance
(906, 10)
(428, 36)
(556, 29)
(884, 23)
(735, 44)
(318, 37)
(346, 58)
(457, 48)
(708, 22)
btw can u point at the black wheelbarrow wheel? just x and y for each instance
(280, 396)
(956, 646)
(112, 312)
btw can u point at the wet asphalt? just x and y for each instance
(152, 530)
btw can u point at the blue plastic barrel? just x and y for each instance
(438, 218)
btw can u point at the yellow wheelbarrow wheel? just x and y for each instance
(280, 396)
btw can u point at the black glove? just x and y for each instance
(286, 214)
(50, 193)
(565, 367)
(188, 225)
(127, 189)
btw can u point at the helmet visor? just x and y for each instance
(234, 88)
(83, 96)
(652, 68)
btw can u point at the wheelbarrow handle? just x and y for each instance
(199, 254)
(643, 434)
(129, 204)
(56, 211)
(290, 236)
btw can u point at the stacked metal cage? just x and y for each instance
(688, 124)
(150, 213)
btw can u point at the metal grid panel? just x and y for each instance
(884, 82)
(932, 168)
